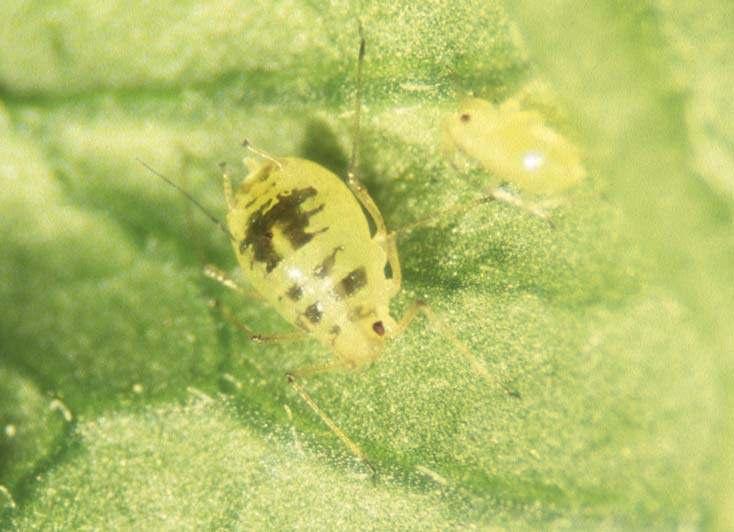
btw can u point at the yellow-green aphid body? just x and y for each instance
(317, 249)
(304, 243)
(515, 145)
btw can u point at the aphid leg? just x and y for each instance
(450, 211)
(438, 479)
(345, 439)
(296, 336)
(56, 405)
(253, 335)
(218, 275)
(10, 502)
(360, 192)
(391, 248)
(388, 240)
(294, 434)
(227, 186)
(319, 368)
(476, 364)
(534, 209)
(497, 194)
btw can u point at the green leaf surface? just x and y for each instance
(127, 401)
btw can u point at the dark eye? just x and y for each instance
(379, 328)
(465, 117)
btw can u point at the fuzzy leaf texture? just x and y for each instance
(128, 402)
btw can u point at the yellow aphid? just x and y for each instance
(515, 145)
(304, 245)
(303, 238)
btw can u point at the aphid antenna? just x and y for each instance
(357, 101)
(188, 196)
(249, 146)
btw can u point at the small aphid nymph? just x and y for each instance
(515, 145)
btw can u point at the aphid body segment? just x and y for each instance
(515, 145)
(304, 243)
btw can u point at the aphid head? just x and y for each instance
(467, 125)
(472, 115)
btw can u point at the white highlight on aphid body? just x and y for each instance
(295, 274)
(533, 161)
